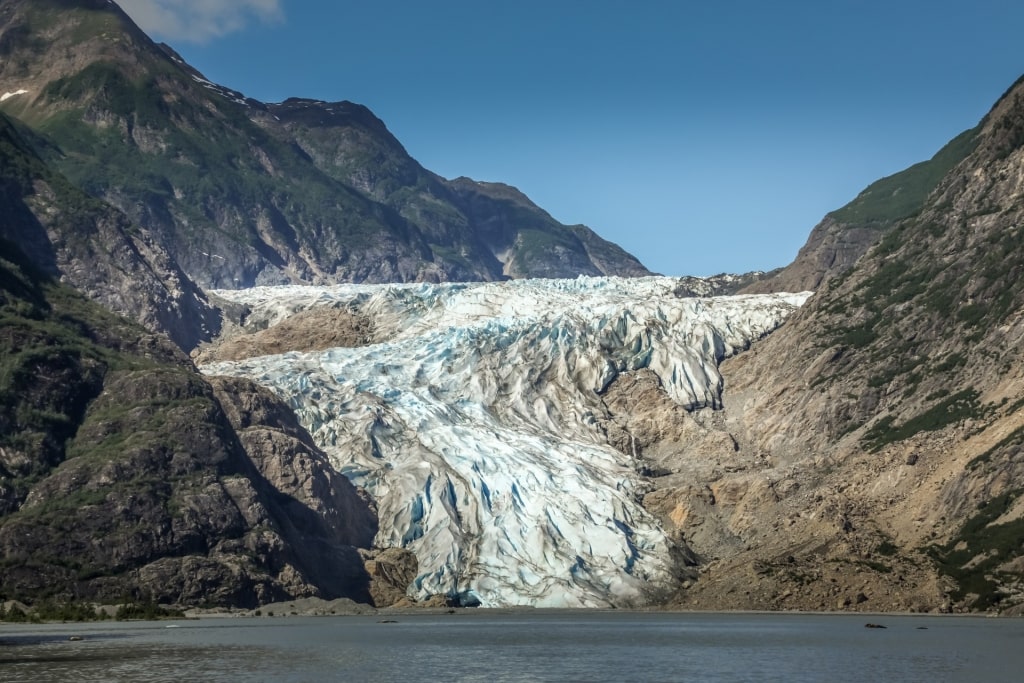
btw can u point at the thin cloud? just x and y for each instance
(199, 21)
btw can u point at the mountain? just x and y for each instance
(477, 416)
(238, 192)
(125, 474)
(866, 455)
(885, 416)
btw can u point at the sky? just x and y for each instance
(701, 136)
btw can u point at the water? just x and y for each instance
(523, 646)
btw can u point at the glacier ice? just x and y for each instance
(477, 425)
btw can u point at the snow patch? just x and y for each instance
(226, 93)
(477, 425)
(8, 95)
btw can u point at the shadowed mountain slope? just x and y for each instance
(123, 473)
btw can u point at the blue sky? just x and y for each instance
(703, 137)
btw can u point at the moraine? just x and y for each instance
(477, 424)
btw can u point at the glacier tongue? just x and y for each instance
(477, 425)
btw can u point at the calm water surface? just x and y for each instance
(555, 646)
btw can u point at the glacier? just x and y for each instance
(476, 422)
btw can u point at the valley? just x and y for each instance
(255, 352)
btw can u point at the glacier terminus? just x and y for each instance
(475, 421)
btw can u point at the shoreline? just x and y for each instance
(343, 607)
(388, 616)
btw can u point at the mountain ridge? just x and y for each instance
(239, 192)
(95, 247)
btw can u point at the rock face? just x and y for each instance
(392, 571)
(95, 247)
(477, 422)
(238, 192)
(313, 330)
(123, 473)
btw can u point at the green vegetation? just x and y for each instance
(203, 147)
(601, 250)
(53, 610)
(896, 368)
(39, 349)
(973, 557)
(903, 194)
(880, 567)
(538, 246)
(887, 548)
(450, 255)
(952, 409)
(1014, 439)
(951, 362)
(1008, 130)
(147, 610)
(139, 101)
(50, 610)
(58, 352)
(89, 23)
(858, 336)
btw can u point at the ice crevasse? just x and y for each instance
(477, 424)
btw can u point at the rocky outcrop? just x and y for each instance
(123, 473)
(392, 571)
(313, 330)
(318, 500)
(832, 249)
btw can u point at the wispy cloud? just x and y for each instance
(199, 21)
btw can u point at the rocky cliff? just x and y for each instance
(124, 474)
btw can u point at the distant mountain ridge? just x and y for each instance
(239, 192)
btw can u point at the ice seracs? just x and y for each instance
(477, 423)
